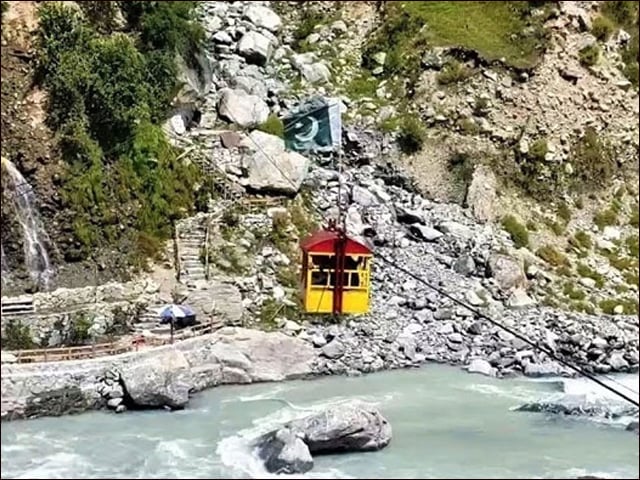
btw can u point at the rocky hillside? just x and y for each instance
(523, 120)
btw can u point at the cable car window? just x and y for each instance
(319, 279)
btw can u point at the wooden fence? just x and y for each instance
(107, 349)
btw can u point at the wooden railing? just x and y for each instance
(207, 234)
(176, 252)
(107, 349)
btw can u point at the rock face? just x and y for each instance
(161, 381)
(344, 428)
(288, 173)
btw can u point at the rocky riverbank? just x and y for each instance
(155, 378)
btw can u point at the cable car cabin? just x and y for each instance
(336, 273)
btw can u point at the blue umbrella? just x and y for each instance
(175, 311)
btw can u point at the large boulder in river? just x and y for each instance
(163, 380)
(284, 451)
(340, 428)
(271, 168)
(245, 110)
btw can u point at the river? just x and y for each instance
(446, 424)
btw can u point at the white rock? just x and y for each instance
(245, 110)
(316, 72)
(520, 299)
(278, 292)
(177, 124)
(255, 47)
(611, 233)
(587, 282)
(271, 167)
(478, 365)
(263, 17)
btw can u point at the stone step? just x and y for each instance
(21, 306)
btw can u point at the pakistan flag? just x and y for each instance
(315, 127)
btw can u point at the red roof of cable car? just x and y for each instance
(324, 241)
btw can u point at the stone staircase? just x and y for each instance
(191, 241)
(150, 322)
(16, 307)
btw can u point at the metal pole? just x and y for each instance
(172, 326)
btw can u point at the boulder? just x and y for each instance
(255, 48)
(425, 233)
(263, 17)
(270, 167)
(241, 108)
(506, 271)
(464, 265)
(284, 452)
(163, 380)
(340, 428)
(481, 194)
(478, 365)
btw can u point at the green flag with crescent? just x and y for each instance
(316, 126)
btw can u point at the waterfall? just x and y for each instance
(4, 274)
(36, 258)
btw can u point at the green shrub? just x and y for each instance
(629, 306)
(564, 211)
(17, 336)
(625, 15)
(5, 7)
(602, 28)
(633, 219)
(453, 72)
(579, 203)
(631, 242)
(78, 333)
(552, 256)
(538, 150)
(412, 135)
(581, 240)
(589, 55)
(306, 24)
(587, 272)
(574, 293)
(516, 230)
(532, 226)
(605, 218)
(273, 126)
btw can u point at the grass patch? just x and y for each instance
(633, 218)
(570, 290)
(581, 240)
(532, 226)
(605, 218)
(593, 161)
(631, 242)
(609, 305)
(589, 55)
(412, 135)
(518, 232)
(273, 126)
(602, 28)
(624, 14)
(564, 211)
(587, 272)
(552, 256)
(453, 72)
(495, 30)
